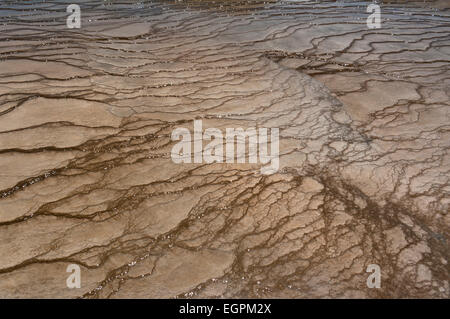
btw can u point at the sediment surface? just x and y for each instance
(86, 176)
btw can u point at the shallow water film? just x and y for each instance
(118, 161)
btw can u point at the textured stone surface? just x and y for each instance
(85, 170)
